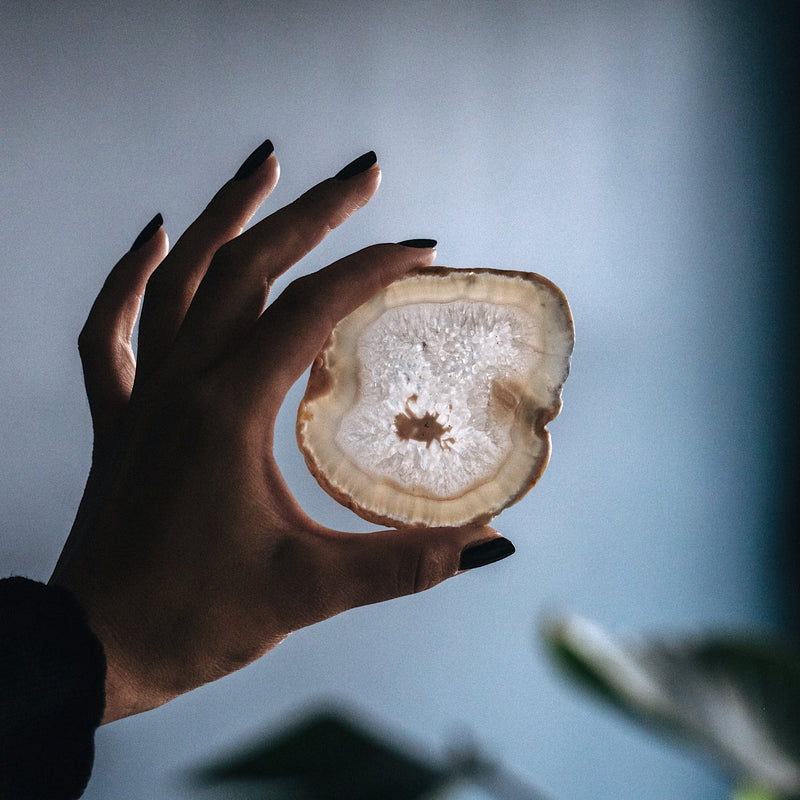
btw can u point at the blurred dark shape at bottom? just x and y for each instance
(329, 755)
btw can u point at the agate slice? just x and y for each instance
(428, 404)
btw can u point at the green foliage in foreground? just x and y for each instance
(736, 698)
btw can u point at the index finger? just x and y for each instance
(292, 331)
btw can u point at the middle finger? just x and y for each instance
(233, 292)
(172, 286)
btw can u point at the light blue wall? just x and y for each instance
(618, 148)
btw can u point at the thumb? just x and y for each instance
(370, 568)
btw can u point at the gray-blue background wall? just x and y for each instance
(626, 150)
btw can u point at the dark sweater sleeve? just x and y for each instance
(52, 679)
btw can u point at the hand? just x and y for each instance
(189, 553)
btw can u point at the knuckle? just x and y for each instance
(302, 293)
(310, 203)
(167, 289)
(432, 568)
(228, 255)
(86, 340)
(92, 342)
(157, 281)
(326, 206)
(237, 261)
(168, 283)
(424, 568)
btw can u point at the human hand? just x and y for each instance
(189, 553)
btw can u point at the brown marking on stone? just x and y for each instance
(506, 394)
(426, 428)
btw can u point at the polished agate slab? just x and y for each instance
(428, 404)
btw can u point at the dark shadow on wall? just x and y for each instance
(779, 31)
(764, 40)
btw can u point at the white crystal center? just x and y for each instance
(436, 393)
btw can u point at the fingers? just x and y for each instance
(292, 331)
(359, 569)
(172, 287)
(233, 293)
(105, 340)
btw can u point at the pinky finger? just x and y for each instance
(104, 343)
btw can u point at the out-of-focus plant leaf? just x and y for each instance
(473, 766)
(753, 793)
(738, 697)
(331, 756)
(328, 756)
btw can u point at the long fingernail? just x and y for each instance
(147, 232)
(361, 164)
(254, 160)
(479, 555)
(430, 243)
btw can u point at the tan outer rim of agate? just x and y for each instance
(320, 383)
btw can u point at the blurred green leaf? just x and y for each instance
(753, 793)
(328, 756)
(737, 697)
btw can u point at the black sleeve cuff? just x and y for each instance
(52, 680)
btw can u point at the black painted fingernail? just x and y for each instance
(361, 164)
(254, 160)
(147, 232)
(430, 243)
(479, 555)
